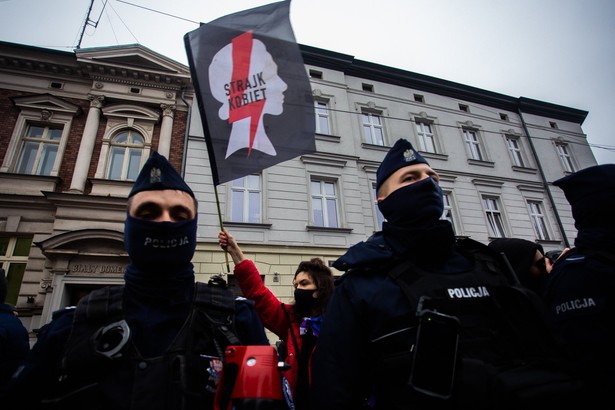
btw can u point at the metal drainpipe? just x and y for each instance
(188, 117)
(544, 179)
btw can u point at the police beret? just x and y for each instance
(158, 174)
(401, 154)
(590, 191)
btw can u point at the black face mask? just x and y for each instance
(415, 205)
(160, 246)
(304, 302)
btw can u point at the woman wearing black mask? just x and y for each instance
(297, 324)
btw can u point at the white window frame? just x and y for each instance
(564, 156)
(323, 117)
(538, 218)
(514, 149)
(39, 110)
(247, 191)
(494, 217)
(320, 200)
(8, 259)
(426, 136)
(473, 144)
(120, 117)
(372, 124)
(378, 217)
(130, 147)
(47, 150)
(449, 209)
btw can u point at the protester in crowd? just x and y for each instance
(155, 343)
(527, 259)
(376, 349)
(297, 324)
(14, 339)
(580, 291)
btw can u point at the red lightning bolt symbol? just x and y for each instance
(242, 52)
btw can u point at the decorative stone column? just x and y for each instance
(88, 140)
(166, 129)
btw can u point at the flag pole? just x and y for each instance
(228, 267)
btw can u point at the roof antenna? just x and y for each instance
(90, 22)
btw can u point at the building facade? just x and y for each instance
(76, 127)
(497, 157)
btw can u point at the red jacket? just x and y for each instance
(278, 317)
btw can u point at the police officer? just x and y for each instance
(145, 345)
(14, 339)
(364, 355)
(581, 288)
(527, 259)
(369, 312)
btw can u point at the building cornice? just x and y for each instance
(395, 76)
(131, 64)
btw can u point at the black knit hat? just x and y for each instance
(402, 154)
(591, 194)
(158, 174)
(519, 252)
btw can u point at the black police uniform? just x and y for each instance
(580, 291)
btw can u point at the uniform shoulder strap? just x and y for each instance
(94, 311)
(100, 304)
(216, 303)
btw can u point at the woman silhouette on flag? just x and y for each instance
(244, 78)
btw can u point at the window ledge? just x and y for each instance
(524, 169)
(312, 228)
(383, 148)
(328, 137)
(24, 184)
(434, 155)
(110, 187)
(247, 225)
(481, 163)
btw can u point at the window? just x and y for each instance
(39, 149)
(38, 140)
(495, 223)
(126, 149)
(127, 140)
(419, 98)
(503, 117)
(316, 74)
(448, 209)
(322, 117)
(472, 144)
(426, 138)
(246, 199)
(564, 157)
(538, 220)
(368, 87)
(553, 125)
(373, 131)
(379, 217)
(515, 151)
(464, 108)
(324, 203)
(13, 258)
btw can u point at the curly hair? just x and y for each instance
(323, 279)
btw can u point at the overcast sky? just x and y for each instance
(556, 51)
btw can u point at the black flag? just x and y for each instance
(253, 92)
